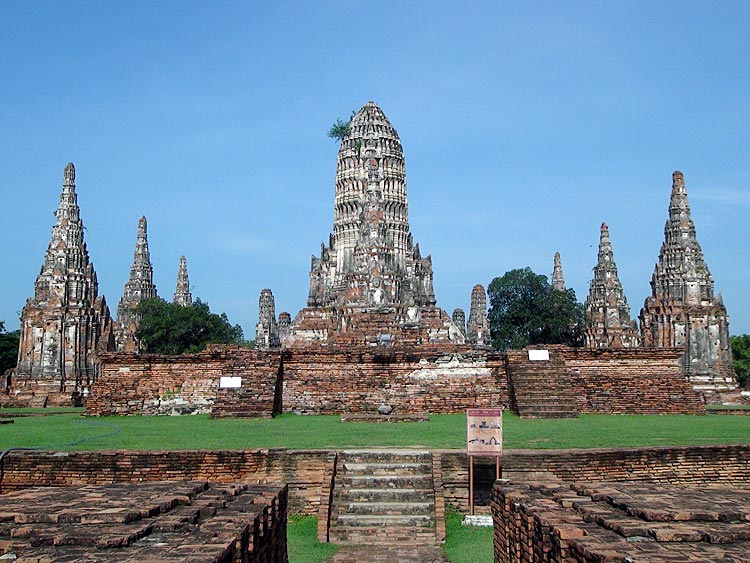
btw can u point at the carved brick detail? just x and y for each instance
(67, 322)
(607, 311)
(682, 309)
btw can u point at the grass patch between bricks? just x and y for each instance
(467, 544)
(447, 431)
(302, 541)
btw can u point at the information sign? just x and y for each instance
(484, 432)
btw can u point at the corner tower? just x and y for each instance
(140, 285)
(67, 322)
(607, 311)
(682, 309)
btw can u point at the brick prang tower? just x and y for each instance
(682, 309)
(67, 322)
(607, 311)
(140, 286)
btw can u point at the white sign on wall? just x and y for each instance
(538, 355)
(230, 382)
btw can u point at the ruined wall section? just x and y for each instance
(153, 384)
(433, 379)
(631, 381)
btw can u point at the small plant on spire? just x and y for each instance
(340, 128)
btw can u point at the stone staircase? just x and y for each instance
(540, 389)
(383, 497)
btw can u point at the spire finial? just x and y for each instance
(69, 176)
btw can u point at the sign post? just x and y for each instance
(484, 437)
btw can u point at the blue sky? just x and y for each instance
(524, 126)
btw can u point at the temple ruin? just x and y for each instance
(478, 326)
(66, 323)
(182, 295)
(682, 309)
(267, 330)
(371, 283)
(558, 279)
(140, 285)
(607, 311)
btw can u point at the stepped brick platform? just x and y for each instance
(383, 497)
(619, 522)
(540, 389)
(164, 521)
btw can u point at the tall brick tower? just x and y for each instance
(371, 265)
(607, 311)
(182, 295)
(682, 309)
(67, 321)
(139, 286)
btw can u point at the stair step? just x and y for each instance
(384, 520)
(421, 482)
(393, 468)
(382, 536)
(390, 508)
(380, 495)
(386, 456)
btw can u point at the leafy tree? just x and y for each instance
(741, 357)
(525, 309)
(340, 128)
(168, 328)
(8, 348)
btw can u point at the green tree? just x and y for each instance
(8, 348)
(340, 128)
(525, 309)
(741, 357)
(168, 328)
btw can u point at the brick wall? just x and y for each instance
(436, 379)
(157, 384)
(308, 472)
(727, 465)
(302, 470)
(631, 380)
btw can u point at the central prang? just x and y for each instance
(371, 264)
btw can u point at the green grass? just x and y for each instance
(302, 541)
(467, 544)
(324, 432)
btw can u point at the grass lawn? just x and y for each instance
(448, 431)
(467, 544)
(302, 541)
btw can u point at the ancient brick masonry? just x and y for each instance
(162, 521)
(371, 264)
(682, 309)
(140, 285)
(618, 522)
(478, 327)
(558, 279)
(182, 295)
(267, 330)
(155, 384)
(607, 311)
(67, 322)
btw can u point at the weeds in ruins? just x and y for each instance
(302, 541)
(467, 544)
(325, 432)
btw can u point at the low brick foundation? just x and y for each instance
(623, 522)
(430, 378)
(161, 521)
(308, 472)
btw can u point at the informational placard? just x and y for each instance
(538, 355)
(230, 382)
(484, 432)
